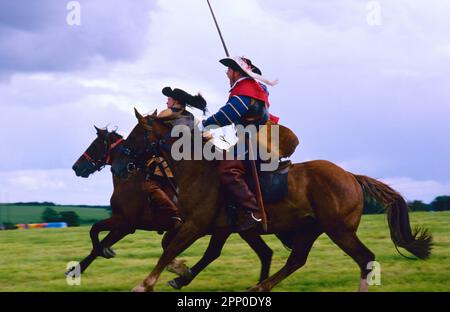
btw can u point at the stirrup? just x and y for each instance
(177, 218)
(177, 222)
(256, 219)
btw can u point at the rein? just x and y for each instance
(111, 147)
(154, 149)
(106, 158)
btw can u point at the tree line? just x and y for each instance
(107, 207)
(440, 203)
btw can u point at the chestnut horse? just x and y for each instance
(131, 211)
(322, 198)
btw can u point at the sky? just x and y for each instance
(364, 84)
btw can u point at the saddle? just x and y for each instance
(274, 187)
(274, 184)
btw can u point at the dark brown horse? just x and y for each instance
(131, 210)
(322, 198)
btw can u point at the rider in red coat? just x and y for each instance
(247, 104)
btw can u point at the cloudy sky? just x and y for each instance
(364, 84)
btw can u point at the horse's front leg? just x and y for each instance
(107, 252)
(110, 239)
(216, 243)
(176, 266)
(186, 235)
(110, 224)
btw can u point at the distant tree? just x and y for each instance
(441, 203)
(418, 205)
(50, 215)
(70, 217)
(33, 204)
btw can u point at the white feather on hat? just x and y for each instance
(240, 61)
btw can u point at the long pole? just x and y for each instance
(258, 194)
(253, 170)
(218, 30)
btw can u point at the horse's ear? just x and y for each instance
(101, 132)
(155, 113)
(137, 114)
(98, 129)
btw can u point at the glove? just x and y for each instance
(206, 135)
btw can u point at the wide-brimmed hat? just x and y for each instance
(184, 98)
(247, 68)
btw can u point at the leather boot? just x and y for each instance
(232, 178)
(166, 210)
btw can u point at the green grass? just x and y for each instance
(35, 260)
(32, 214)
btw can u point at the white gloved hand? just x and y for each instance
(199, 124)
(205, 133)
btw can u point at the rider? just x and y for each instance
(158, 187)
(247, 104)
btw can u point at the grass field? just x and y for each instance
(32, 214)
(35, 260)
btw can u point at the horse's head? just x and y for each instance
(98, 154)
(140, 145)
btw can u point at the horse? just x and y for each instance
(322, 198)
(130, 211)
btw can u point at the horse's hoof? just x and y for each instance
(138, 288)
(363, 286)
(108, 253)
(173, 283)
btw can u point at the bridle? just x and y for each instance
(106, 157)
(152, 149)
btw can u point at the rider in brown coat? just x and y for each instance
(158, 186)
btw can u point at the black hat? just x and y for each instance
(185, 98)
(230, 62)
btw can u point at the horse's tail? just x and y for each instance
(418, 241)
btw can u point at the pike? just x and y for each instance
(250, 148)
(218, 30)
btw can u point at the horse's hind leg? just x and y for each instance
(302, 243)
(350, 243)
(213, 252)
(263, 251)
